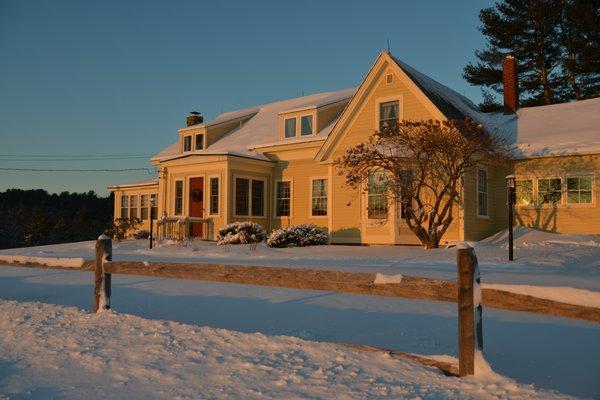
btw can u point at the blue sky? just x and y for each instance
(85, 79)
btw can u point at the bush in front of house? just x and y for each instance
(143, 234)
(118, 228)
(241, 233)
(298, 236)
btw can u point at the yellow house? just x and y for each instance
(274, 164)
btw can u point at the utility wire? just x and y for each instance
(76, 155)
(68, 159)
(78, 170)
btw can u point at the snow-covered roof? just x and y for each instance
(558, 129)
(259, 130)
(134, 184)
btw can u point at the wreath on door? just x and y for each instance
(197, 195)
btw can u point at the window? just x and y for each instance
(482, 193)
(187, 143)
(144, 207)
(579, 190)
(290, 127)
(388, 115)
(124, 206)
(153, 205)
(258, 198)
(377, 206)
(133, 206)
(242, 187)
(389, 78)
(524, 191)
(319, 197)
(306, 125)
(283, 199)
(550, 190)
(405, 193)
(199, 141)
(178, 197)
(214, 196)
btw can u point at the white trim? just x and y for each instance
(291, 181)
(182, 180)
(487, 192)
(250, 178)
(310, 197)
(219, 196)
(380, 100)
(566, 190)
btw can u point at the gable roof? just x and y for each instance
(260, 129)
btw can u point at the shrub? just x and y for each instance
(118, 228)
(143, 234)
(241, 233)
(298, 236)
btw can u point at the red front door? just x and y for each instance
(196, 204)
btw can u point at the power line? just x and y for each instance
(75, 155)
(2, 158)
(78, 170)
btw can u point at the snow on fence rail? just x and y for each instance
(409, 287)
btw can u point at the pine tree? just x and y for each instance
(580, 41)
(557, 45)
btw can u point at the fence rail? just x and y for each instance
(363, 283)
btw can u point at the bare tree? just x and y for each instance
(420, 164)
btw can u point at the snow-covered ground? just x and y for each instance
(551, 353)
(51, 351)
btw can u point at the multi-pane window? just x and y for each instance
(306, 125)
(144, 207)
(388, 115)
(283, 199)
(187, 143)
(133, 206)
(550, 190)
(524, 191)
(258, 198)
(290, 127)
(249, 197)
(124, 206)
(579, 189)
(178, 197)
(199, 141)
(153, 205)
(377, 205)
(214, 196)
(482, 193)
(319, 197)
(242, 195)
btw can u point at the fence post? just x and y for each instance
(102, 280)
(466, 343)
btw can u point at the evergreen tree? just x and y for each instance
(555, 43)
(580, 40)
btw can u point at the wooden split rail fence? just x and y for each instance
(363, 283)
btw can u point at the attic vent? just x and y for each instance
(389, 78)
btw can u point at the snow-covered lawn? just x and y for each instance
(551, 353)
(50, 351)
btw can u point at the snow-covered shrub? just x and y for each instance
(297, 236)
(143, 234)
(241, 233)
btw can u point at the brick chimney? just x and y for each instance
(194, 118)
(510, 82)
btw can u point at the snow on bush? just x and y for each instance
(241, 233)
(297, 236)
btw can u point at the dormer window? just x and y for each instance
(187, 143)
(290, 127)
(306, 125)
(199, 142)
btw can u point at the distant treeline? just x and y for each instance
(35, 217)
